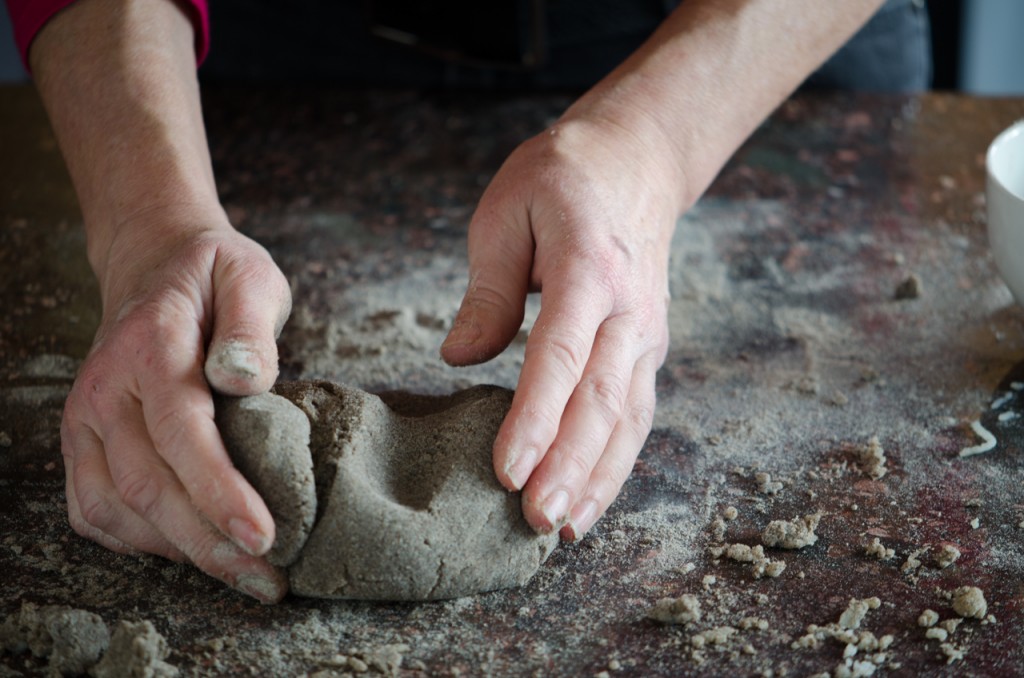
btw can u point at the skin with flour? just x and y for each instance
(582, 213)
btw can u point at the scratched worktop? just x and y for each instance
(791, 348)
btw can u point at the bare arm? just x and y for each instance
(584, 212)
(146, 469)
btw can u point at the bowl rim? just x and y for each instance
(1003, 138)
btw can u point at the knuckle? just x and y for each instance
(95, 509)
(211, 554)
(141, 491)
(640, 420)
(93, 391)
(607, 394)
(485, 296)
(171, 426)
(568, 350)
(575, 463)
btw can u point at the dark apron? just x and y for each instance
(504, 44)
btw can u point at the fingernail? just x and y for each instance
(520, 466)
(236, 359)
(253, 541)
(555, 507)
(263, 589)
(582, 519)
(464, 333)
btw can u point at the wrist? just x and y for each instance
(123, 253)
(637, 138)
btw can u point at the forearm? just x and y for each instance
(118, 81)
(712, 72)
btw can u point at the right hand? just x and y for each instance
(185, 308)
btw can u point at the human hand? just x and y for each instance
(146, 468)
(583, 213)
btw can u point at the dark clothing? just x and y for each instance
(331, 40)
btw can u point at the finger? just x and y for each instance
(94, 507)
(500, 258)
(592, 413)
(179, 416)
(250, 306)
(151, 489)
(615, 465)
(557, 352)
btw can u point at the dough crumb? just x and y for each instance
(952, 652)
(682, 610)
(928, 618)
(762, 565)
(855, 669)
(717, 529)
(946, 556)
(876, 549)
(975, 523)
(792, 534)
(856, 611)
(71, 639)
(749, 623)
(951, 625)
(720, 635)
(909, 288)
(936, 633)
(969, 601)
(136, 649)
(988, 441)
(730, 513)
(913, 560)
(871, 458)
(765, 484)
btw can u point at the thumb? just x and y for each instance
(251, 301)
(500, 259)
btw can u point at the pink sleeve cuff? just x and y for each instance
(29, 16)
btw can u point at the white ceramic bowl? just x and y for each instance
(1004, 194)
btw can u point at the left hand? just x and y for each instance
(583, 213)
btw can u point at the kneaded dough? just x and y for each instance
(268, 440)
(407, 504)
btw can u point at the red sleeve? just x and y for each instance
(29, 16)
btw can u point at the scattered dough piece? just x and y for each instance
(910, 288)
(755, 555)
(871, 458)
(935, 633)
(136, 649)
(947, 555)
(682, 610)
(969, 601)
(717, 529)
(748, 623)
(951, 625)
(952, 652)
(719, 635)
(730, 513)
(876, 549)
(928, 618)
(792, 534)
(72, 639)
(987, 445)
(913, 561)
(765, 484)
(856, 610)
